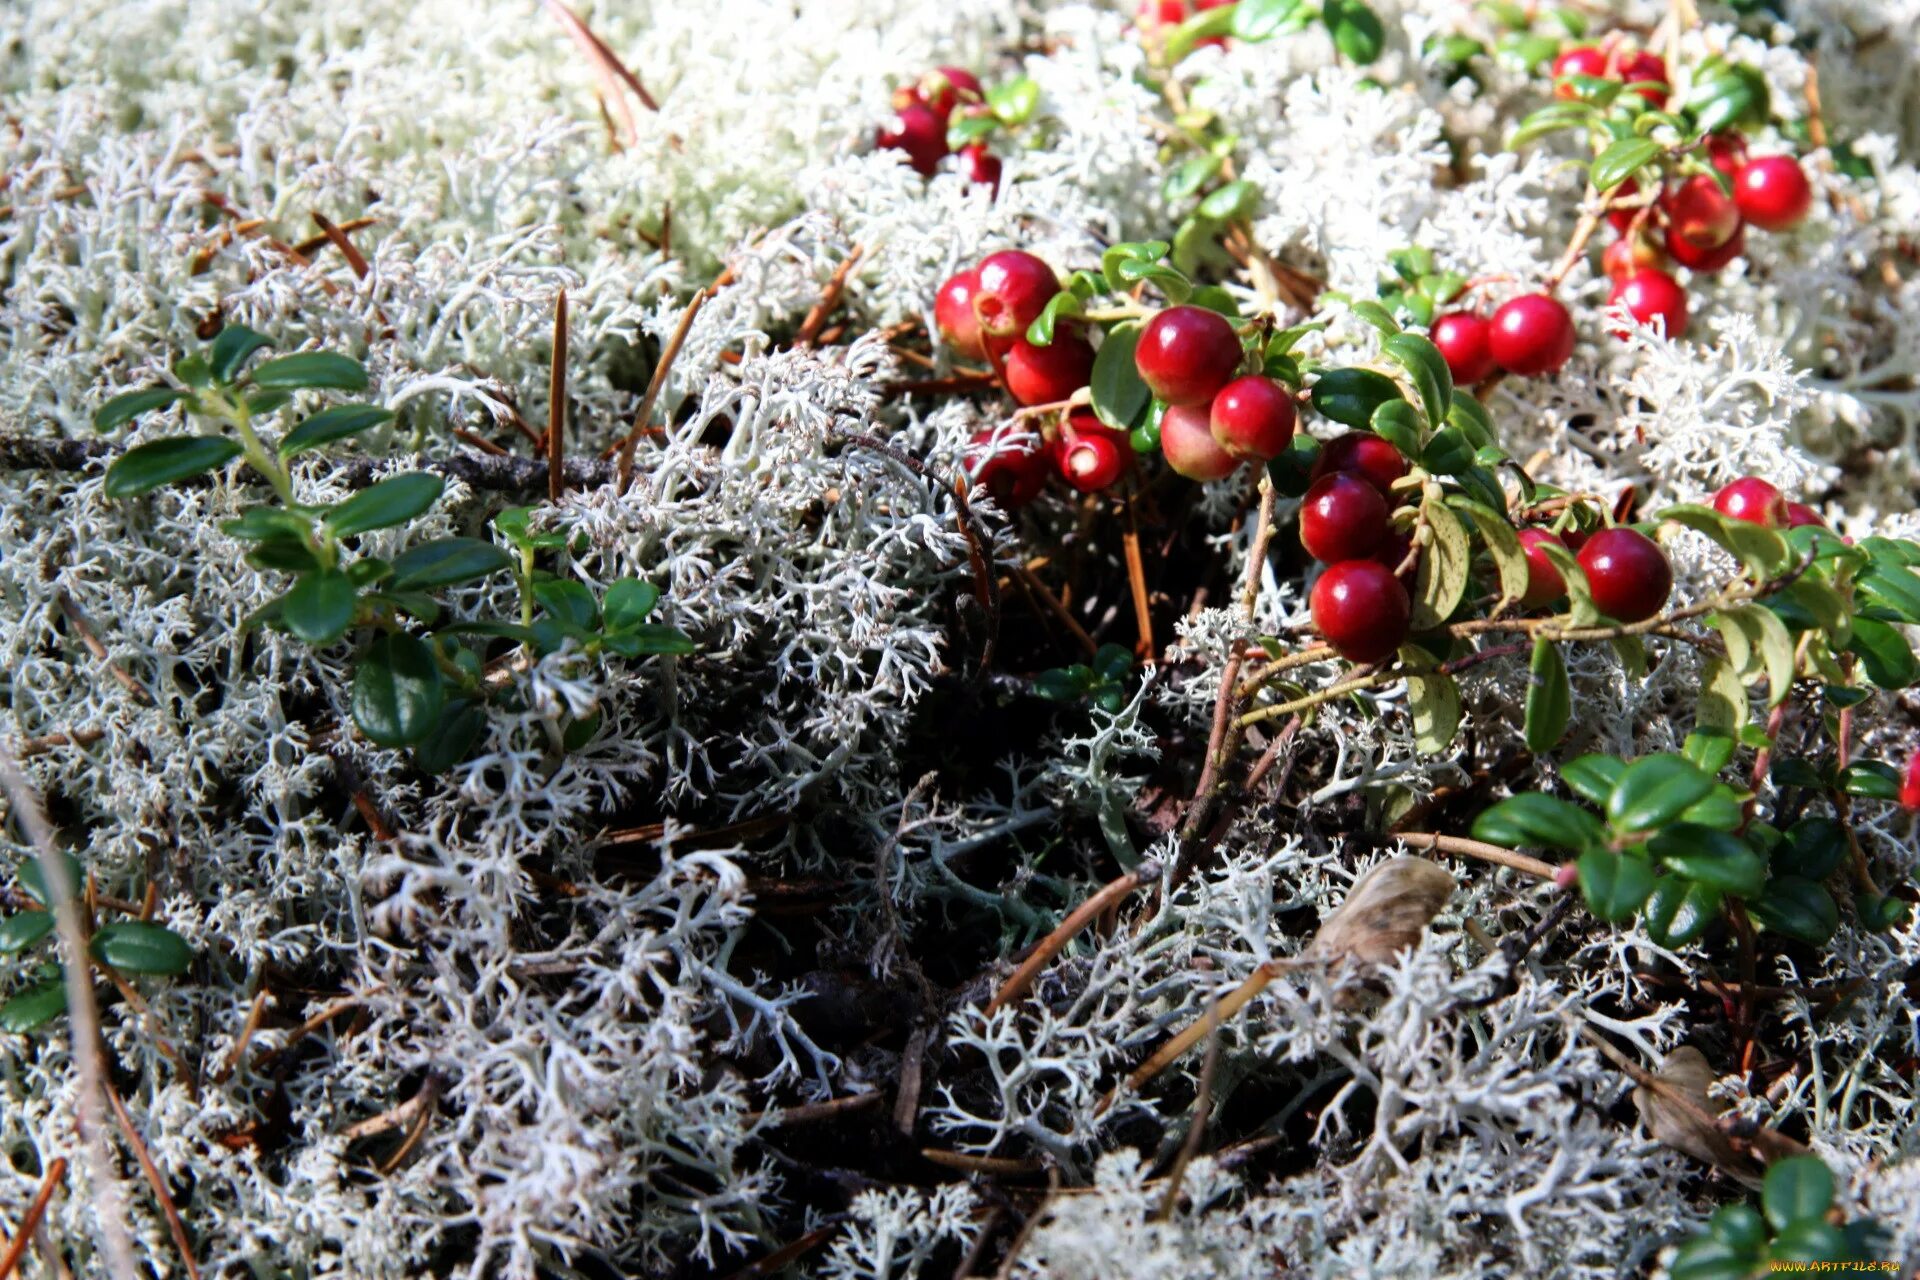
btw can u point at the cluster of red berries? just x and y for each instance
(1757, 502)
(1617, 62)
(1628, 575)
(1013, 465)
(921, 113)
(1156, 15)
(1215, 420)
(1346, 521)
(1529, 335)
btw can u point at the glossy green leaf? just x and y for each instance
(1796, 1189)
(1190, 175)
(1813, 849)
(1427, 369)
(1257, 20)
(1349, 396)
(123, 409)
(1893, 588)
(1654, 791)
(447, 562)
(649, 638)
(1723, 699)
(452, 738)
(140, 946)
(1885, 656)
(1060, 305)
(1614, 884)
(1679, 910)
(1549, 698)
(320, 606)
(395, 500)
(1120, 398)
(1797, 908)
(568, 601)
(1620, 160)
(397, 692)
(1761, 550)
(22, 930)
(1593, 777)
(1355, 28)
(1871, 779)
(1013, 101)
(1236, 199)
(1710, 857)
(34, 1007)
(1722, 808)
(317, 370)
(628, 602)
(33, 880)
(1581, 611)
(336, 423)
(161, 462)
(1502, 543)
(231, 349)
(1539, 821)
(1398, 424)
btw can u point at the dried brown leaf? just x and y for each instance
(1386, 912)
(1679, 1114)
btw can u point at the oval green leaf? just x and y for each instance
(148, 466)
(140, 946)
(396, 691)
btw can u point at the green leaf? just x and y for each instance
(1472, 420)
(231, 349)
(447, 562)
(1702, 1259)
(1593, 777)
(1552, 119)
(452, 738)
(397, 693)
(1190, 175)
(395, 500)
(317, 370)
(1723, 808)
(1445, 568)
(1398, 424)
(1737, 1225)
(1893, 588)
(1284, 341)
(148, 466)
(1723, 699)
(1502, 543)
(1813, 849)
(18, 932)
(1120, 398)
(1615, 884)
(1427, 368)
(320, 606)
(1349, 396)
(1654, 791)
(1539, 821)
(1376, 315)
(628, 602)
(1679, 910)
(1885, 656)
(1810, 1240)
(1829, 611)
(963, 128)
(1257, 20)
(1434, 699)
(1581, 612)
(1797, 1189)
(1757, 640)
(1188, 35)
(1549, 698)
(337, 423)
(1356, 29)
(140, 946)
(369, 571)
(1710, 857)
(266, 523)
(1797, 908)
(123, 409)
(1237, 199)
(1736, 95)
(1128, 251)
(34, 1007)
(1872, 779)
(1013, 101)
(194, 371)
(650, 638)
(33, 879)
(1448, 453)
(1619, 161)
(1763, 551)
(1040, 332)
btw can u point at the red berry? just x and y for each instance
(953, 313)
(1772, 192)
(1622, 220)
(1753, 500)
(945, 88)
(1186, 437)
(1532, 334)
(1015, 288)
(1706, 261)
(1631, 253)
(1700, 213)
(1910, 784)
(1253, 417)
(1800, 516)
(1462, 339)
(1186, 354)
(1727, 152)
(919, 131)
(1627, 573)
(1008, 464)
(1581, 60)
(1649, 68)
(1544, 583)
(1360, 608)
(1574, 537)
(1090, 454)
(1363, 454)
(1342, 518)
(1046, 375)
(1393, 549)
(980, 166)
(1649, 295)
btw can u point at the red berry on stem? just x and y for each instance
(1772, 192)
(917, 130)
(1008, 464)
(1253, 417)
(1753, 500)
(1581, 60)
(945, 88)
(1800, 516)
(1544, 583)
(1360, 608)
(1531, 335)
(1363, 454)
(953, 313)
(1700, 213)
(1631, 253)
(1652, 295)
(1046, 375)
(1649, 68)
(980, 166)
(1015, 288)
(1706, 260)
(1463, 341)
(1342, 518)
(1186, 354)
(1727, 152)
(1090, 454)
(1186, 437)
(1393, 549)
(1623, 219)
(1627, 573)
(1910, 785)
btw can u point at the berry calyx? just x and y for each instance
(1772, 192)
(1627, 573)
(953, 313)
(1652, 295)
(1700, 213)
(1755, 501)
(1049, 374)
(1360, 608)
(1364, 454)
(1801, 516)
(1186, 354)
(980, 166)
(1015, 288)
(1008, 464)
(1463, 341)
(1705, 261)
(1186, 438)
(917, 130)
(1531, 335)
(1253, 417)
(1544, 582)
(1342, 518)
(1090, 455)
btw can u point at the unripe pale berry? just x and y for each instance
(1342, 518)
(1186, 354)
(1360, 608)
(918, 131)
(1544, 582)
(1015, 288)
(1706, 261)
(1753, 500)
(1651, 295)
(1253, 417)
(1091, 455)
(953, 313)
(1046, 375)
(1364, 454)
(1531, 335)
(1462, 338)
(1700, 213)
(1007, 464)
(1772, 192)
(1186, 438)
(1627, 573)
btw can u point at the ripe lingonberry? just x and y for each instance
(1046, 375)
(1393, 549)
(1649, 295)
(1186, 437)
(1910, 784)
(1700, 213)
(1581, 60)
(1015, 288)
(1253, 417)
(1360, 608)
(945, 88)
(1772, 192)
(1462, 339)
(1727, 152)
(1800, 515)
(1629, 254)
(1544, 583)
(917, 130)
(1753, 500)
(1531, 335)
(1622, 220)
(1706, 261)
(1008, 464)
(1363, 454)
(1646, 68)
(1090, 454)
(980, 166)
(1627, 573)
(1342, 518)
(953, 313)
(1186, 354)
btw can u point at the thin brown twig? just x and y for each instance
(17, 1247)
(993, 1166)
(1027, 1228)
(609, 70)
(1217, 1014)
(429, 1094)
(27, 748)
(356, 261)
(623, 471)
(84, 628)
(1066, 931)
(314, 1023)
(159, 1184)
(1196, 1127)
(231, 1063)
(1045, 593)
(786, 1254)
(1461, 847)
(557, 405)
(1145, 650)
(808, 1112)
(829, 299)
(313, 244)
